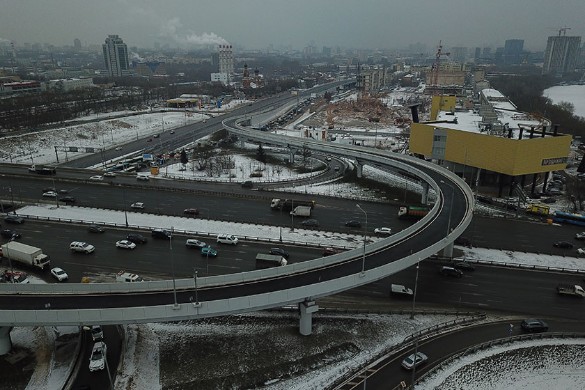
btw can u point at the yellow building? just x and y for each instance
(492, 143)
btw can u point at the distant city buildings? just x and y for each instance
(561, 54)
(116, 56)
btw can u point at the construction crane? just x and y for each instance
(563, 30)
(437, 64)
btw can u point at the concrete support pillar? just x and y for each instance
(425, 192)
(360, 169)
(242, 143)
(5, 342)
(291, 154)
(306, 309)
(448, 251)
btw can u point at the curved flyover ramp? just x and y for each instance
(118, 303)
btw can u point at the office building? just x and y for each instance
(116, 56)
(513, 51)
(561, 55)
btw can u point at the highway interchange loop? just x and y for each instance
(159, 301)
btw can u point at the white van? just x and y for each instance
(83, 247)
(227, 239)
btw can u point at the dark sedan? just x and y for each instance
(354, 224)
(563, 245)
(10, 234)
(13, 219)
(279, 252)
(534, 325)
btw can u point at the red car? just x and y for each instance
(331, 251)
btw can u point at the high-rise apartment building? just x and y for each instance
(561, 55)
(116, 56)
(513, 49)
(226, 60)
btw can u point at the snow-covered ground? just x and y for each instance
(574, 94)
(142, 368)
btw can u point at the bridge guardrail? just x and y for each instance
(406, 343)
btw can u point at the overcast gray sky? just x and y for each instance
(254, 24)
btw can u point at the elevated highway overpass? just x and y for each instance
(301, 283)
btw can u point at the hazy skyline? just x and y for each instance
(256, 24)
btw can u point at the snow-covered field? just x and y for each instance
(155, 353)
(574, 94)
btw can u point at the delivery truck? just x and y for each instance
(26, 254)
(569, 289)
(301, 211)
(269, 261)
(289, 204)
(413, 212)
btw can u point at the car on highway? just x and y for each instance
(142, 177)
(156, 136)
(109, 174)
(49, 189)
(229, 239)
(97, 360)
(67, 199)
(10, 234)
(96, 178)
(13, 218)
(191, 211)
(137, 238)
(81, 247)
(353, 223)
(580, 236)
(331, 251)
(161, 233)
(383, 231)
(463, 265)
(581, 251)
(279, 252)
(137, 205)
(93, 228)
(534, 325)
(49, 194)
(450, 271)
(248, 184)
(97, 333)
(59, 274)
(125, 244)
(414, 360)
(310, 223)
(208, 251)
(194, 243)
(563, 245)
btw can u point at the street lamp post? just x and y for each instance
(173, 267)
(125, 211)
(364, 251)
(414, 292)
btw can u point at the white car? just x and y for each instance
(83, 247)
(96, 178)
(142, 177)
(125, 244)
(97, 360)
(109, 174)
(59, 274)
(193, 243)
(580, 236)
(581, 251)
(50, 194)
(410, 361)
(137, 205)
(384, 231)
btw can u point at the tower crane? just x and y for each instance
(437, 64)
(563, 30)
